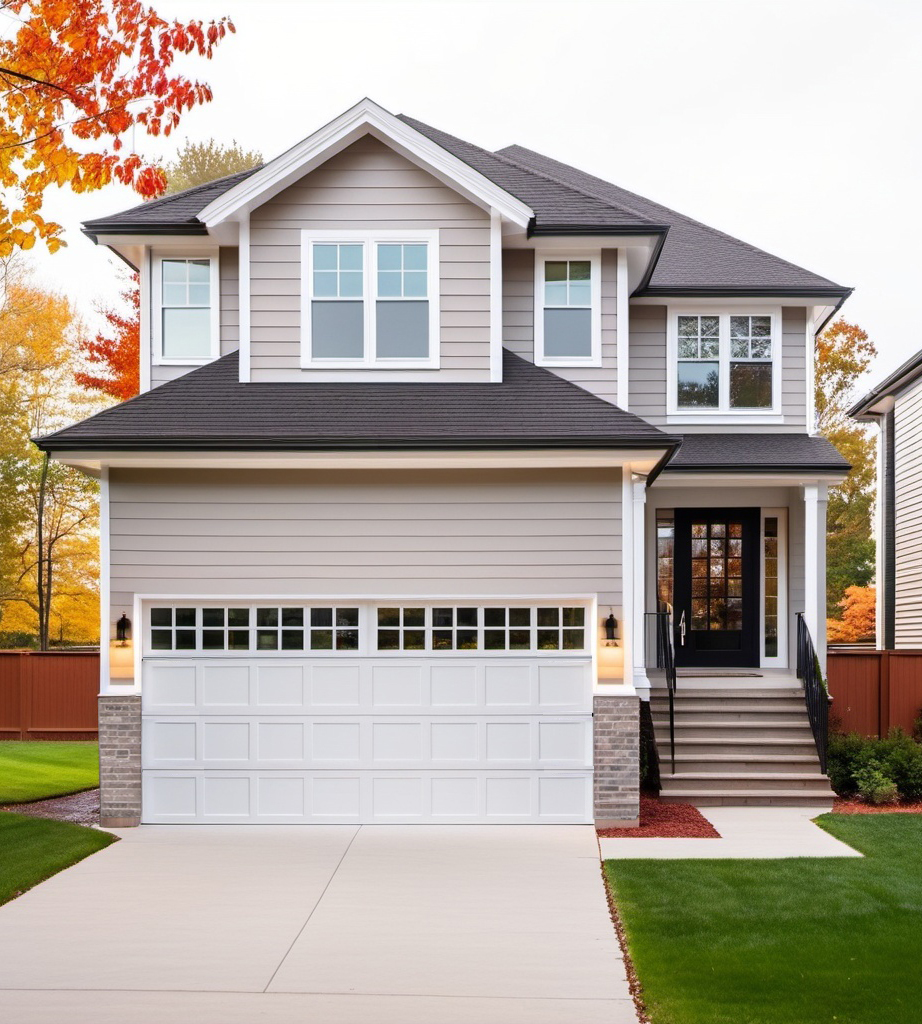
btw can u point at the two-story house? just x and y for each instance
(424, 432)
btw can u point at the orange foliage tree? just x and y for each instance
(116, 350)
(859, 617)
(74, 77)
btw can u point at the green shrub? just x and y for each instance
(875, 786)
(903, 763)
(853, 759)
(917, 728)
(845, 755)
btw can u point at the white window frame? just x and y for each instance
(594, 257)
(157, 305)
(781, 660)
(369, 241)
(724, 413)
(367, 627)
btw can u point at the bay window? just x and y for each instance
(724, 363)
(371, 300)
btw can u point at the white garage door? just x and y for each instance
(362, 713)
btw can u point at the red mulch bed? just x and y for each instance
(665, 821)
(841, 806)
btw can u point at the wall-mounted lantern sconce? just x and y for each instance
(611, 630)
(123, 630)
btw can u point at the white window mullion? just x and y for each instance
(370, 264)
(724, 365)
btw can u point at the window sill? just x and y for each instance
(359, 364)
(563, 364)
(724, 418)
(184, 362)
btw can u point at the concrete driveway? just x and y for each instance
(333, 924)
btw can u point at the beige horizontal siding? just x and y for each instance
(908, 508)
(794, 365)
(519, 320)
(647, 363)
(422, 533)
(369, 186)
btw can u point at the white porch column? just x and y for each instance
(815, 500)
(638, 571)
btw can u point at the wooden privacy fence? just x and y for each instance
(49, 695)
(872, 691)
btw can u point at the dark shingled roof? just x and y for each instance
(694, 255)
(737, 453)
(556, 205)
(178, 211)
(694, 258)
(209, 409)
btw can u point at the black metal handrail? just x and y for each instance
(659, 658)
(816, 695)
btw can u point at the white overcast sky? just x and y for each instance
(794, 126)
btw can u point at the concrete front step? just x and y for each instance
(729, 707)
(740, 747)
(707, 782)
(682, 692)
(790, 798)
(766, 718)
(748, 731)
(739, 763)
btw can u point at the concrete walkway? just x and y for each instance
(746, 832)
(325, 924)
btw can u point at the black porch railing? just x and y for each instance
(816, 695)
(659, 660)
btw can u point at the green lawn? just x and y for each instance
(33, 849)
(36, 770)
(783, 941)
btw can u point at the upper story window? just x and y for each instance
(372, 300)
(724, 363)
(568, 320)
(186, 309)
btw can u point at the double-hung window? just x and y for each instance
(371, 300)
(185, 309)
(724, 363)
(568, 317)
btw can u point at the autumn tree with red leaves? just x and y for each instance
(116, 350)
(75, 76)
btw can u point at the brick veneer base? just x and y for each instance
(119, 761)
(616, 739)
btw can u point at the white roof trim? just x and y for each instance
(366, 117)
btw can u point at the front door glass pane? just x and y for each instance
(717, 571)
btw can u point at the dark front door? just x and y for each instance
(716, 609)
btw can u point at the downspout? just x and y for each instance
(888, 530)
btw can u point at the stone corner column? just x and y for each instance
(616, 742)
(119, 760)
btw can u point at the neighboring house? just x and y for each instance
(896, 407)
(419, 425)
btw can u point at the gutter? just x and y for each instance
(49, 444)
(731, 291)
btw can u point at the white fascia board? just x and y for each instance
(366, 117)
(723, 301)
(588, 458)
(713, 481)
